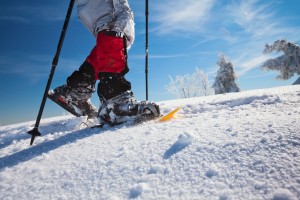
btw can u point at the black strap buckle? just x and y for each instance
(114, 33)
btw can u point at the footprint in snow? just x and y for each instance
(183, 141)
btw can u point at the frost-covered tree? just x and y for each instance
(297, 82)
(288, 64)
(225, 79)
(204, 86)
(180, 86)
(186, 86)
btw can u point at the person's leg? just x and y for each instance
(111, 85)
(75, 95)
(82, 82)
(109, 59)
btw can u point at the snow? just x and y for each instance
(242, 145)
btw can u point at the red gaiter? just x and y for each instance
(108, 55)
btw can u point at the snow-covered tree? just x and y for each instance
(180, 86)
(288, 64)
(225, 79)
(186, 86)
(204, 86)
(297, 82)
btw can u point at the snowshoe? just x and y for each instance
(73, 103)
(124, 108)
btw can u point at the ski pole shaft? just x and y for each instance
(35, 131)
(147, 50)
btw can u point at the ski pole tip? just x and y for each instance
(34, 132)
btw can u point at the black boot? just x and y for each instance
(118, 104)
(111, 85)
(124, 108)
(75, 95)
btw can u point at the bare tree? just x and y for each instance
(288, 64)
(179, 86)
(205, 87)
(225, 79)
(186, 86)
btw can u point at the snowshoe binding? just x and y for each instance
(124, 108)
(77, 104)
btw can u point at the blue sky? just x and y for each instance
(183, 35)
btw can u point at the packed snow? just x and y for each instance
(242, 145)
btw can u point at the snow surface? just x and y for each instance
(236, 146)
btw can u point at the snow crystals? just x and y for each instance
(241, 145)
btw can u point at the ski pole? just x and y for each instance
(35, 132)
(146, 51)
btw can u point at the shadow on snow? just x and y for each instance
(45, 147)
